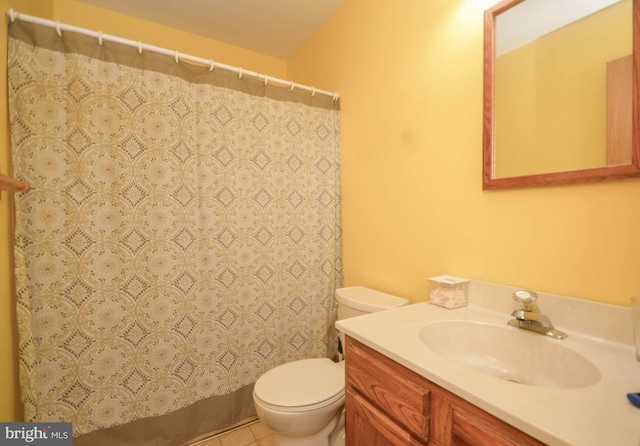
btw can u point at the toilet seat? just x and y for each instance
(302, 385)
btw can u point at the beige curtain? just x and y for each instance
(180, 238)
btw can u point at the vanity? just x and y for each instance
(423, 374)
(389, 404)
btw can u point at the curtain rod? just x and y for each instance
(101, 37)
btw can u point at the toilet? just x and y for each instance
(303, 401)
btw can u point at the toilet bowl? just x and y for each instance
(302, 401)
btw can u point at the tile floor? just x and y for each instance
(253, 434)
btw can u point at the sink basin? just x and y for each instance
(510, 354)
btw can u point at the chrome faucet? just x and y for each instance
(529, 317)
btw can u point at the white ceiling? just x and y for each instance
(273, 27)
(534, 18)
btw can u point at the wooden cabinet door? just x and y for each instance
(480, 429)
(368, 426)
(620, 111)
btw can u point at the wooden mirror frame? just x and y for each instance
(605, 173)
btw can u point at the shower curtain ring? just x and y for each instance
(313, 91)
(211, 65)
(291, 86)
(239, 72)
(100, 38)
(266, 80)
(139, 46)
(58, 30)
(177, 57)
(12, 15)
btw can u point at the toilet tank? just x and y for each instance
(357, 300)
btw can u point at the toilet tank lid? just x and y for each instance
(366, 299)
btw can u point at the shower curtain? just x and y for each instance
(180, 238)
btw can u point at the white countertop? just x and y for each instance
(596, 415)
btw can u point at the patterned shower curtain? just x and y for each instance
(180, 238)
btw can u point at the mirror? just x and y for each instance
(560, 92)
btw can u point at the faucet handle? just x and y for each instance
(526, 298)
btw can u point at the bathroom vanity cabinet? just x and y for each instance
(388, 404)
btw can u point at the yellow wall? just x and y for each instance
(86, 16)
(410, 78)
(551, 95)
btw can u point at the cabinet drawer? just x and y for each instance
(387, 385)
